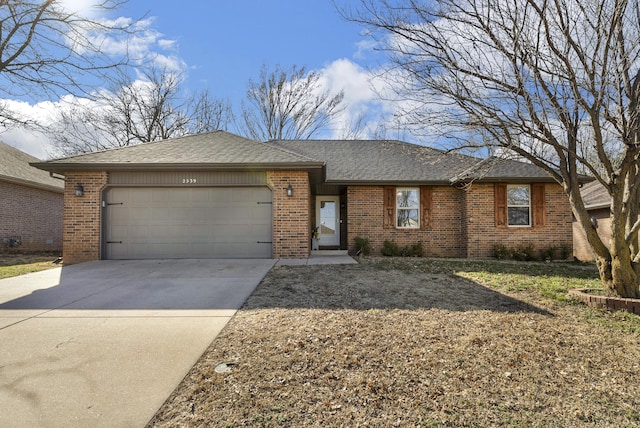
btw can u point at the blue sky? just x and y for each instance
(224, 43)
(220, 45)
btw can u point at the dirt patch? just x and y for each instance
(365, 345)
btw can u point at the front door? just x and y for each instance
(328, 220)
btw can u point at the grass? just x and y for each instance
(417, 342)
(550, 280)
(19, 264)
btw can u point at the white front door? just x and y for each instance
(328, 220)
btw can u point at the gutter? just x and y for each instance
(597, 206)
(61, 168)
(33, 184)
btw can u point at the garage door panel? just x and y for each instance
(188, 223)
(135, 215)
(159, 196)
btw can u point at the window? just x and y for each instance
(407, 208)
(518, 205)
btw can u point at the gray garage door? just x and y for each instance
(198, 222)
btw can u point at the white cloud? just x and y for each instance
(365, 94)
(364, 48)
(32, 142)
(167, 44)
(85, 8)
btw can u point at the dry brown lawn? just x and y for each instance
(17, 263)
(411, 343)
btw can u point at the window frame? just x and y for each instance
(417, 207)
(528, 206)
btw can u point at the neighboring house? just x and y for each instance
(31, 204)
(219, 195)
(597, 202)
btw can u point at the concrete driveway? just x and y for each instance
(103, 344)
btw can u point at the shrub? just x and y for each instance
(390, 248)
(362, 246)
(549, 253)
(565, 251)
(524, 252)
(415, 250)
(501, 252)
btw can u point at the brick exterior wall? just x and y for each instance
(463, 222)
(366, 220)
(482, 232)
(291, 215)
(31, 214)
(81, 238)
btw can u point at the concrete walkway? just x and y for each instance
(322, 257)
(103, 344)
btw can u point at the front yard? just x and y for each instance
(14, 264)
(417, 342)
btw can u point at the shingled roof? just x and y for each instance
(595, 195)
(15, 168)
(212, 150)
(344, 161)
(376, 161)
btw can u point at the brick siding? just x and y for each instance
(463, 222)
(483, 234)
(81, 238)
(33, 215)
(366, 220)
(291, 215)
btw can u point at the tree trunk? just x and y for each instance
(619, 276)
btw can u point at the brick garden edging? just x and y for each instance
(605, 302)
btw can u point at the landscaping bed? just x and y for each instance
(417, 342)
(597, 299)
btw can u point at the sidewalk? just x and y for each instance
(322, 257)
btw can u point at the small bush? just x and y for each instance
(501, 252)
(524, 252)
(415, 250)
(390, 249)
(549, 253)
(565, 251)
(362, 245)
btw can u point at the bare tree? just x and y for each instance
(46, 49)
(355, 128)
(288, 105)
(149, 108)
(557, 82)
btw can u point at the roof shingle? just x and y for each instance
(396, 161)
(14, 167)
(345, 161)
(214, 149)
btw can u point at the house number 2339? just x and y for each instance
(189, 181)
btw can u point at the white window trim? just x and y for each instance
(519, 206)
(398, 190)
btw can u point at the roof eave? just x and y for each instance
(387, 182)
(33, 184)
(510, 180)
(597, 206)
(65, 167)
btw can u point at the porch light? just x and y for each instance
(79, 190)
(289, 190)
